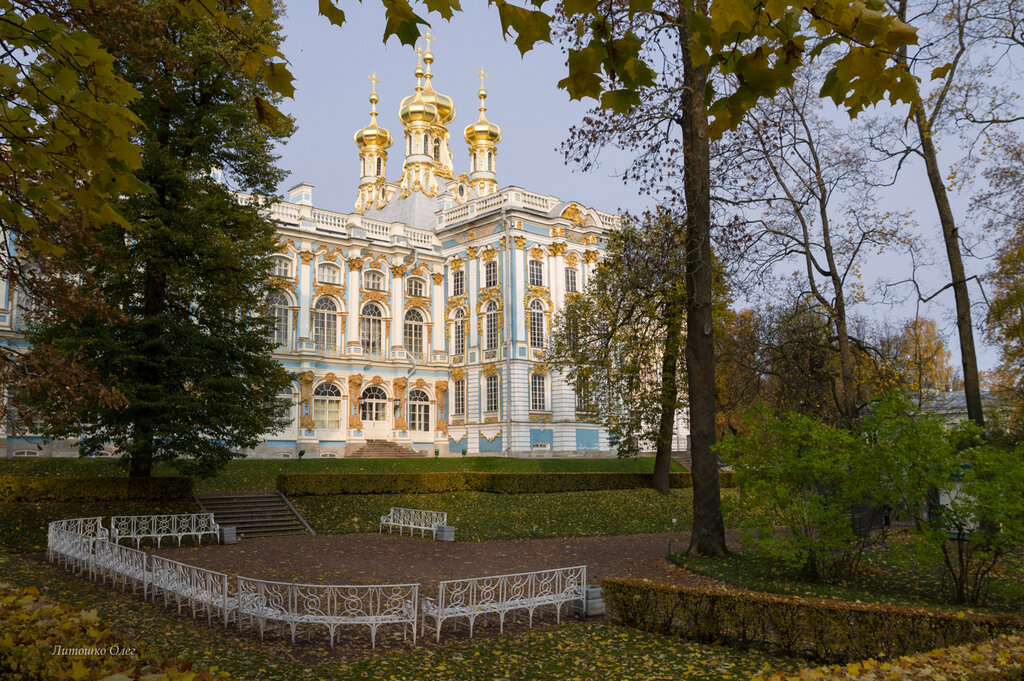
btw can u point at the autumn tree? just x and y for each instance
(186, 269)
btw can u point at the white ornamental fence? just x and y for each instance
(202, 590)
(139, 527)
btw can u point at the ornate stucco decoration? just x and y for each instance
(421, 269)
(417, 301)
(456, 264)
(286, 245)
(438, 278)
(458, 374)
(489, 254)
(330, 377)
(591, 257)
(539, 368)
(537, 253)
(490, 369)
(557, 231)
(377, 380)
(366, 296)
(572, 259)
(455, 302)
(441, 390)
(540, 418)
(491, 419)
(400, 384)
(355, 264)
(329, 290)
(520, 240)
(307, 257)
(306, 379)
(532, 292)
(557, 249)
(573, 214)
(378, 262)
(398, 270)
(355, 389)
(471, 252)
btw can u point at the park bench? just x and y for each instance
(331, 606)
(414, 519)
(477, 596)
(139, 527)
(120, 563)
(201, 589)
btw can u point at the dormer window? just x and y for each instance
(415, 288)
(373, 281)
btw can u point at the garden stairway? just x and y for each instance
(379, 449)
(255, 514)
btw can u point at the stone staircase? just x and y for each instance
(255, 514)
(380, 449)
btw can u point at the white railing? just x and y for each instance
(413, 519)
(331, 606)
(139, 527)
(201, 589)
(120, 563)
(415, 235)
(472, 598)
(71, 550)
(381, 230)
(90, 527)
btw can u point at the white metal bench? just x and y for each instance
(139, 527)
(201, 589)
(503, 594)
(414, 519)
(329, 605)
(120, 563)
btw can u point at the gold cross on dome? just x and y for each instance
(428, 39)
(374, 80)
(482, 76)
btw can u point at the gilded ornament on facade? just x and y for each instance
(307, 257)
(306, 422)
(420, 383)
(458, 374)
(572, 259)
(537, 253)
(520, 240)
(330, 377)
(416, 301)
(378, 262)
(557, 249)
(573, 214)
(532, 292)
(420, 269)
(590, 257)
(488, 255)
(472, 234)
(377, 296)
(398, 270)
(328, 290)
(286, 245)
(457, 421)
(400, 383)
(455, 302)
(557, 231)
(377, 380)
(540, 418)
(456, 264)
(539, 368)
(471, 252)
(306, 379)
(490, 369)
(273, 282)
(355, 264)
(438, 278)
(490, 354)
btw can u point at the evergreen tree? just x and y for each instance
(189, 347)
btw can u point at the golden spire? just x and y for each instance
(373, 134)
(445, 105)
(483, 130)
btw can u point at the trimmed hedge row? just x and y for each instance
(999, 659)
(86, 489)
(44, 639)
(326, 484)
(815, 628)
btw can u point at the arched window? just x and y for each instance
(538, 393)
(472, 163)
(490, 161)
(370, 332)
(460, 332)
(536, 273)
(419, 410)
(325, 324)
(491, 327)
(459, 397)
(536, 324)
(327, 406)
(380, 166)
(328, 274)
(373, 281)
(426, 144)
(415, 288)
(282, 267)
(458, 283)
(437, 149)
(278, 304)
(412, 334)
(373, 405)
(490, 274)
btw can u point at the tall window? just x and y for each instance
(426, 144)
(491, 402)
(327, 406)
(278, 304)
(419, 410)
(437, 149)
(459, 397)
(325, 323)
(412, 334)
(570, 280)
(491, 327)
(282, 267)
(538, 394)
(536, 273)
(490, 161)
(458, 283)
(583, 395)
(415, 288)
(460, 332)
(380, 166)
(373, 281)
(490, 274)
(370, 331)
(373, 405)
(536, 324)
(328, 274)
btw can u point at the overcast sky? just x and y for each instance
(332, 66)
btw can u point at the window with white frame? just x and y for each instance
(538, 393)
(583, 395)
(412, 333)
(458, 283)
(325, 323)
(492, 394)
(536, 273)
(415, 288)
(282, 266)
(419, 411)
(370, 332)
(490, 274)
(327, 405)
(536, 324)
(491, 326)
(570, 280)
(459, 397)
(328, 274)
(282, 315)
(373, 281)
(373, 404)
(459, 332)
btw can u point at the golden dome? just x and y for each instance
(483, 130)
(373, 135)
(445, 105)
(416, 107)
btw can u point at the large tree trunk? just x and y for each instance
(707, 537)
(669, 393)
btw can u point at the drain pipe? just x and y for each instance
(509, 344)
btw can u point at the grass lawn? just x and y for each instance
(573, 651)
(261, 474)
(888, 575)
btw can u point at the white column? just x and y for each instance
(437, 315)
(519, 275)
(472, 288)
(557, 278)
(397, 308)
(305, 291)
(352, 305)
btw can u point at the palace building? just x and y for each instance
(419, 320)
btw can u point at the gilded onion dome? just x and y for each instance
(416, 107)
(445, 105)
(483, 130)
(372, 134)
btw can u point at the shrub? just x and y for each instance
(827, 630)
(999, 659)
(94, 489)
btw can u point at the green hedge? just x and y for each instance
(819, 629)
(326, 484)
(88, 489)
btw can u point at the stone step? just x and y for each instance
(254, 514)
